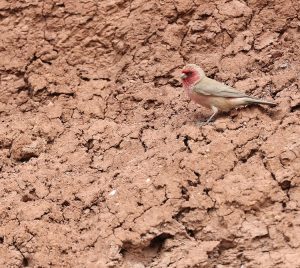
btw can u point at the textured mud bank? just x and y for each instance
(102, 164)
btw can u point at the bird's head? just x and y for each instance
(191, 74)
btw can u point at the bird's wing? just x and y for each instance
(210, 87)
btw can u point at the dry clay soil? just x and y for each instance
(102, 162)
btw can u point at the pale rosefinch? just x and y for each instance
(213, 94)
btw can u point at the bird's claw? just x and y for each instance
(202, 123)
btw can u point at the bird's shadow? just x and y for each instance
(233, 114)
(270, 111)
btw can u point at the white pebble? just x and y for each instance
(112, 193)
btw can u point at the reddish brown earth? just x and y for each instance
(102, 163)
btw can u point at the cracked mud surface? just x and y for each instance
(102, 164)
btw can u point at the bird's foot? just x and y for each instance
(210, 119)
(202, 123)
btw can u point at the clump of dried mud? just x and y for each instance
(102, 164)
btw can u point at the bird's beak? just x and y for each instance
(183, 76)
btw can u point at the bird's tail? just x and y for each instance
(251, 100)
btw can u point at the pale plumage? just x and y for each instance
(213, 94)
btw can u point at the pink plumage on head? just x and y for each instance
(191, 74)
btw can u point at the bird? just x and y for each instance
(213, 94)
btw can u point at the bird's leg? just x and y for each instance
(215, 111)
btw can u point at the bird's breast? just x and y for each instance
(223, 104)
(199, 98)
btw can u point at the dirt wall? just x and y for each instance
(102, 164)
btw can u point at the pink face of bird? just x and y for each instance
(189, 76)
